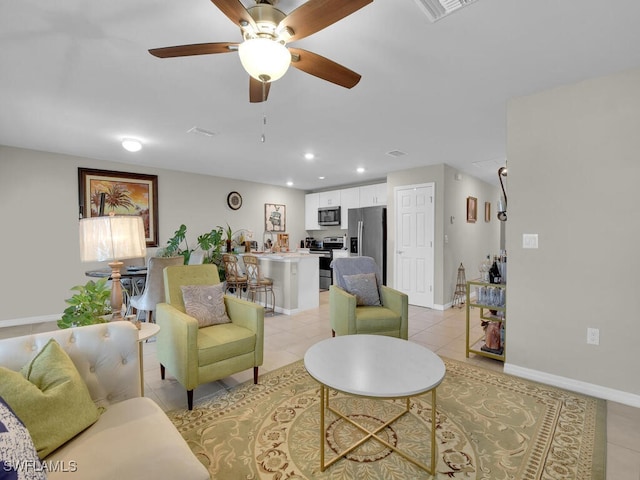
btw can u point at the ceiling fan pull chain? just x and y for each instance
(264, 112)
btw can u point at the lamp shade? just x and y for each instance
(264, 59)
(109, 238)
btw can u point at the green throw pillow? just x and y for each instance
(50, 398)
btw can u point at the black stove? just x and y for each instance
(324, 250)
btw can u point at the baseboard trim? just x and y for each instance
(17, 322)
(591, 389)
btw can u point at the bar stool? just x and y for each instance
(257, 283)
(233, 278)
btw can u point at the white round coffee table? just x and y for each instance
(374, 366)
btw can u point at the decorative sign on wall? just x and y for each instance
(275, 217)
(472, 209)
(124, 194)
(487, 211)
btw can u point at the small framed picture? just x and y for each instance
(275, 217)
(472, 209)
(487, 211)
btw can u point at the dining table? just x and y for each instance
(132, 279)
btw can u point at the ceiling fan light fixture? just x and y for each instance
(264, 59)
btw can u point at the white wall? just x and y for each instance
(39, 209)
(574, 170)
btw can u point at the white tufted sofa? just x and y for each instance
(133, 438)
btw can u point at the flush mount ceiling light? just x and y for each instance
(131, 144)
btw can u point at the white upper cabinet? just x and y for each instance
(349, 198)
(329, 199)
(311, 204)
(367, 196)
(373, 195)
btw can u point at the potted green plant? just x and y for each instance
(91, 304)
(229, 234)
(174, 248)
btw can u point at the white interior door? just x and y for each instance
(414, 256)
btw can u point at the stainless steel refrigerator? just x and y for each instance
(368, 235)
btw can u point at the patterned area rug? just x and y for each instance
(489, 426)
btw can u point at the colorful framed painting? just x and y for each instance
(275, 217)
(124, 194)
(472, 209)
(487, 211)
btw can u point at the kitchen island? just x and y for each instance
(295, 280)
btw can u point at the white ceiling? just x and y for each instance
(76, 77)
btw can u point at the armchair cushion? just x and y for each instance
(365, 288)
(50, 397)
(205, 303)
(222, 342)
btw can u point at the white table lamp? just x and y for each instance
(112, 238)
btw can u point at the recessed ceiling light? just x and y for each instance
(360, 170)
(289, 183)
(131, 144)
(309, 156)
(320, 178)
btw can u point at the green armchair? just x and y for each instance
(347, 318)
(201, 355)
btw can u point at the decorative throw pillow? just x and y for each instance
(50, 398)
(18, 457)
(205, 303)
(365, 288)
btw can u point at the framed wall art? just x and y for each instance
(472, 209)
(124, 194)
(275, 217)
(487, 211)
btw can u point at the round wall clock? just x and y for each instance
(234, 200)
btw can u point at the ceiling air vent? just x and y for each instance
(396, 153)
(201, 131)
(437, 9)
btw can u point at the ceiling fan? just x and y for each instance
(266, 31)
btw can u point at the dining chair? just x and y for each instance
(154, 285)
(257, 284)
(234, 279)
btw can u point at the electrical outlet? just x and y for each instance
(593, 336)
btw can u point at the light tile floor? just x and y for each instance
(288, 337)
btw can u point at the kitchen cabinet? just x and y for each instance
(349, 198)
(311, 205)
(492, 302)
(329, 199)
(373, 195)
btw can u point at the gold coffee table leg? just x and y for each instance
(324, 404)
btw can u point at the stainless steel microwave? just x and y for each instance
(329, 216)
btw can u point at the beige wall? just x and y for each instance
(39, 209)
(467, 243)
(574, 169)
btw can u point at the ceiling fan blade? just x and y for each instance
(313, 16)
(258, 91)
(323, 68)
(195, 49)
(236, 12)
